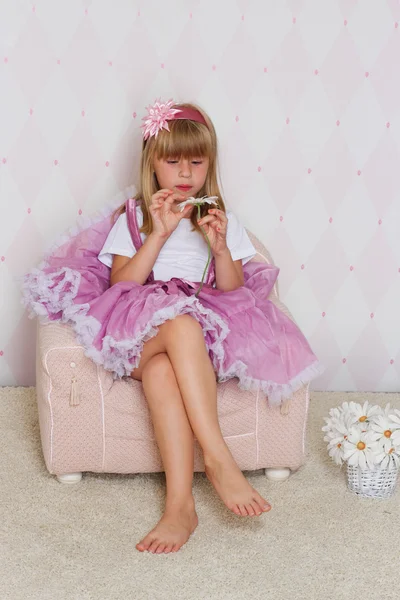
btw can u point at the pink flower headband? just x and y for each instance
(161, 112)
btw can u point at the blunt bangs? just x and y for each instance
(186, 139)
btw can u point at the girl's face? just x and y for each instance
(186, 176)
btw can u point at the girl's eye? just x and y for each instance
(195, 162)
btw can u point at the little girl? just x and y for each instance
(155, 318)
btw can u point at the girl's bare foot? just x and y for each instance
(172, 531)
(233, 488)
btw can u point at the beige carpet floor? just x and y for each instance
(319, 541)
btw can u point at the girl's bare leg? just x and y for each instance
(175, 442)
(182, 339)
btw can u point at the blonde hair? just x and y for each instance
(186, 139)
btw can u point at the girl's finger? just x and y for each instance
(218, 225)
(219, 213)
(184, 212)
(208, 219)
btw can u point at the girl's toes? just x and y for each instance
(236, 510)
(160, 549)
(153, 546)
(243, 510)
(264, 505)
(256, 508)
(250, 510)
(168, 548)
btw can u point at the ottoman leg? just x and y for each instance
(69, 478)
(277, 474)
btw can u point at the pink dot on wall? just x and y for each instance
(259, 169)
(281, 219)
(162, 65)
(190, 16)
(372, 315)
(366, 74)
(80, 211)
(86, 11)
(396, 25)
(236, 118)
(344, 360)
(58, 61)
(338, 123)
(33, 8)
(138, 13)
(294, 20)
(316, 72)
(309, 171)
(134, 115)
(6, 59)
(380, 222)
(330, 219)
(388, 124)
(4, 160)
(265, 69)
(29, 211)
(1, 352)
(107, 163)
(56, 162)
(323, 314)
(391, 361)
(345, 22)
(242, 17)
(110, 63)
(31, 111)
(302, 267)
(358, 172)
(287, 121)
(214, 67)
(3, 258)
(351, 268)
(83, 113)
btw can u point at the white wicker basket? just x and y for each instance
(380, 483)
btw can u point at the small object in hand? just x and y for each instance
(198, 201)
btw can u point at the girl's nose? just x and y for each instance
(185, 168)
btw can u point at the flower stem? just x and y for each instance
(209, 252)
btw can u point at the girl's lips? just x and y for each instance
(184, 187)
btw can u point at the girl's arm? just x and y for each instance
(228, 273)
(139, 267)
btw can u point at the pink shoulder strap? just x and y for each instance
(130, 205)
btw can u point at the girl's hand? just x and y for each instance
(215, 226)
(165, 220)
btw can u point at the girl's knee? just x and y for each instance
(182, 323)
(157, 367)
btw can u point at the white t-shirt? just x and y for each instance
(184, 254)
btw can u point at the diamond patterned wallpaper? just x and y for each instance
(305, 97)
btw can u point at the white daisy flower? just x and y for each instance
(384, 427)
(337, 432)
(346, 407)
(364, 435)
(395, 417)
(359, 449)
(365, 412)
(198, 201)
(386, 455)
